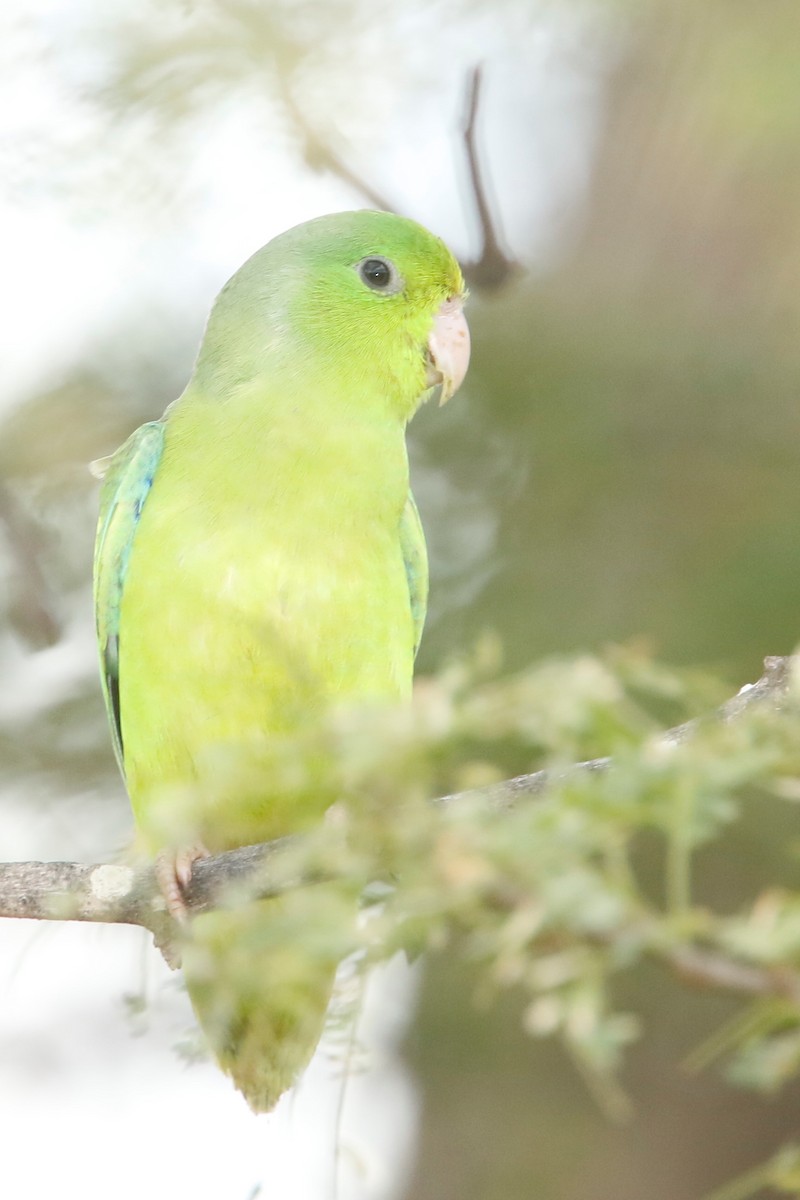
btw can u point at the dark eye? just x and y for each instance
(380, 274)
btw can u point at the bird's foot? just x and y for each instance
(173, 875)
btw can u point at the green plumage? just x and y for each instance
(259, 557)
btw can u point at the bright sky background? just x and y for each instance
(95, 1103)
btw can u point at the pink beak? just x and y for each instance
(448, 348)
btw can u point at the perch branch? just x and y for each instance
(123, 895)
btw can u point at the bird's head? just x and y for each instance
(366, 303)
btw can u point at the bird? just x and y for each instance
(259, 562)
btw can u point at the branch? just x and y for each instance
(119, 894)
(322, 157)
(124, 895)
(493, 268)
(707, 969)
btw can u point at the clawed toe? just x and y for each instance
(174, 874)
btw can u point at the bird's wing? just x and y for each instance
(415, 557)
(127, 479)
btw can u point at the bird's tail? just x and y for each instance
(260, 977)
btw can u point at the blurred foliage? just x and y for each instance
(622, 464)
(564, 896)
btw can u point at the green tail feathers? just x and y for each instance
(260, 986)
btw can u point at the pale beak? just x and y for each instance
(448, 348)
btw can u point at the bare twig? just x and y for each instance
(493, 268)
(117, 894)
(770, 689)
(320, 156)
(708, 969)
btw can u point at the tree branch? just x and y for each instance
(707, 969)
(119, 894)
(320, 156)
(493, 268)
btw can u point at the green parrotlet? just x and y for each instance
(260, 561)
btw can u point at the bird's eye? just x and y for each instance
(381, 275)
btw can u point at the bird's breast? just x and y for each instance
(251, 608)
